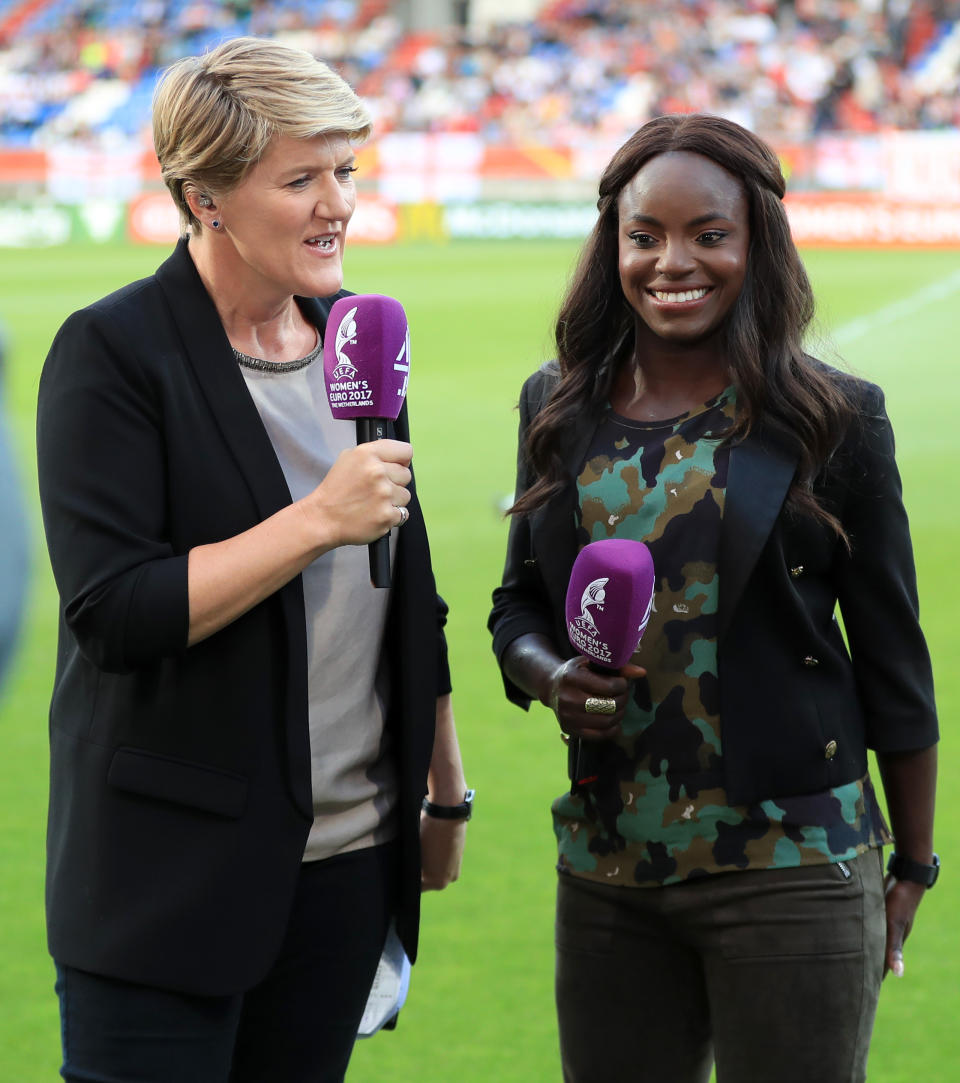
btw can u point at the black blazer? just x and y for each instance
(797, 710)
(180, 797)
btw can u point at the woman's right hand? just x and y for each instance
(357, 501)
(571, 684)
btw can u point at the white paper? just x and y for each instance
(389, 989)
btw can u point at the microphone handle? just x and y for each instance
(585, 758)
(368, 429)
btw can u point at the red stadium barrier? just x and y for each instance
(843, 219)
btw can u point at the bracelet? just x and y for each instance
(463, 811)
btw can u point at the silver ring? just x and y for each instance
(404, 514)
(600, 705)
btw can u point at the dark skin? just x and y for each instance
(563, 684)
(683, 249)
(909, 785)
(683, 246)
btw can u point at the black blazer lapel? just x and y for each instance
(208, 351)
(758, 479)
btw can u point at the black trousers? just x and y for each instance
(298, 1025)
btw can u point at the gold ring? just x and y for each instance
(600, 705)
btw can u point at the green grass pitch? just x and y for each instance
(480, 1006)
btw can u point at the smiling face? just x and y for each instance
(683, 241)
(286, 222)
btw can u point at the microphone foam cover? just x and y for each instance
(366, 356)
(609, 599)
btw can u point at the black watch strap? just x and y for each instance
(463, 811)
(902, 868)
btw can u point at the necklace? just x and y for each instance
(260, 365)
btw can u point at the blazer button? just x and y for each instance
(796, 571)
(811, 661)
(830, 750)
(529, 563)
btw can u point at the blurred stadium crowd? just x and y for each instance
(84, 70)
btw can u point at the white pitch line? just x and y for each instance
(907, 306)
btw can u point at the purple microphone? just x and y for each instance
(609, 599)
(366, 362)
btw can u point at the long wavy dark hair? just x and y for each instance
(796, 399)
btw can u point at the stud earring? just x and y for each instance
(215, 224)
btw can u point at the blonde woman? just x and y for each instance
(242, 729)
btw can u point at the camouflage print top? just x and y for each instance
(664, 484)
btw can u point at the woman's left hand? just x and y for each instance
(902, 899)
(909, 784)
(441, 846)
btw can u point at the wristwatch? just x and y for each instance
(902, 868)
(463, 811)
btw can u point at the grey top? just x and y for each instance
(354, 780)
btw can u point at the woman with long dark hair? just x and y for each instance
(721, 893)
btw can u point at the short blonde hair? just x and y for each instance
(214, 115)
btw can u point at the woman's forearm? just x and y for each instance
(226, 579)
(531, 662)
(445, 780)
(356, 503)
(909, 785)
(442, 840)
